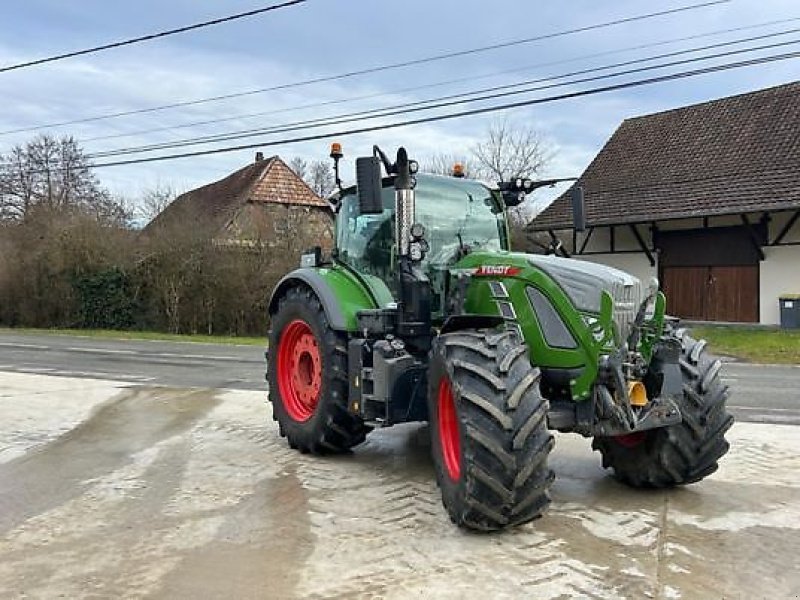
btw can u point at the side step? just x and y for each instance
(378, 370)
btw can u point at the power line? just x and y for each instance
(443, 101)
(462, 114)
(349, 99)
(151, 36)
(446, 101)
(380, 68)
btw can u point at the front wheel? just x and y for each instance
(489, 432)
(307, 374)
(687, 451)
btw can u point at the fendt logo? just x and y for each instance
(497, 271)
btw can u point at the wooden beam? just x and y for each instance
(643, 246)
(789, 224)
(595, 252)
(586, 240)
(753, 237)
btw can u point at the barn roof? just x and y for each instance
(268, 181)
(728, 156)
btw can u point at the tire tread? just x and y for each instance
(506, 478)
(335, 429)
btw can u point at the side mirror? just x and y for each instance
(578, 208)
(368, 183)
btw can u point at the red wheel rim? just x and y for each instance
(448, 430)
(631, 440)
(299, 370)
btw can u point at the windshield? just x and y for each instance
(459, 216)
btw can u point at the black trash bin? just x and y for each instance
(790, 311)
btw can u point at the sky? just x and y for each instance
(328, 37)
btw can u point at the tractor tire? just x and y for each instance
(307, 375)
(489, 433)
(687, 451)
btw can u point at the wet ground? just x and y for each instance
(109, 490)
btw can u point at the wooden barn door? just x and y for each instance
(733, 294)
(712, 274)
(712, 293)
(686, 290)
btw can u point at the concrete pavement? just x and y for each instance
(112, 490)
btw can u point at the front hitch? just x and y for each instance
(619, 416)
(661, 411)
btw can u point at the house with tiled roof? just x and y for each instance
(262, 203)
(704, 197)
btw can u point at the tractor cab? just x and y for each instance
(459, 217)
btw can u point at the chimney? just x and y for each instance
(259, 156)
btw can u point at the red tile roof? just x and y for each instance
(267, 181)
(279, 184)
(727, 156)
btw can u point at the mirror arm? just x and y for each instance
(550, 182)
(390, 168)
(337, 178)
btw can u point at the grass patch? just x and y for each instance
(753, 344)
(145, 335)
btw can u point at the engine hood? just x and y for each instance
(583, 281)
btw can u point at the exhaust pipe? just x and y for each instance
(405, 202)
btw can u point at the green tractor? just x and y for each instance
(423, 313)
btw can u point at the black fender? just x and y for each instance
(468, 321)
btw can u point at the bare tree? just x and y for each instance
(320, 178)
(317, 174)
(299, 166)
(510, 151)
(442, 164)
(156, 199)
(52, 174)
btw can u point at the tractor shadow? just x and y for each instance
(403, 450)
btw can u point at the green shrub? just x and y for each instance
(106, 299)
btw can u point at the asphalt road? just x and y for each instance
(177, 364)
(760, 393)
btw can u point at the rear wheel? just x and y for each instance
(307, 374)
(489, 430)
(682, 453)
